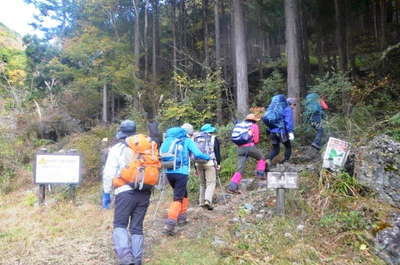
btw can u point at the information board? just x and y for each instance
(283, 180)
(57, 168)
(336, 153)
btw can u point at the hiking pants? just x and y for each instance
(244, 152)
(180, 204)
(208, 180)
(318, 136)
(276, 141)
(130, 209)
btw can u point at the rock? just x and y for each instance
(259, 216)
(387, 242)
(377, 167)
(246, 184)
(249, 208)
(218, 242)
(300, 228)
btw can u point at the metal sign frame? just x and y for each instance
(57, 154)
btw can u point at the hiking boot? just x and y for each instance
(260, 175)
(316, 146)
(169, 230)
(228, 190)
(208, 206)
(182, 220)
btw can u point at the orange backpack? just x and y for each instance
(143, 171)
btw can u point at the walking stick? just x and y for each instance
(162, 188)
(219, 181)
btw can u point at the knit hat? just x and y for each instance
(127, 128)
(208, 128)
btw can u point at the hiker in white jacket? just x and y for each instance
(130, 204)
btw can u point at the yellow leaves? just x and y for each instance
(17, 77)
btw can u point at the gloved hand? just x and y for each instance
(291, 136)
(106, 200)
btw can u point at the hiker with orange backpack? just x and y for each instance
(246, 135)
(175, 154)
(132, 169)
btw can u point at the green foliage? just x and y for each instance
(344, 221)
(345, 184)
(89, 145)
(275, 84)
(198, 101)
(334, 86)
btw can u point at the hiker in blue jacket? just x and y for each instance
(178, 144)
(282, 133)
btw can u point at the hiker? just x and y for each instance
(246, 135)
(279, 121)
(189, 129)
(175, 154)
(209, 144)
(154, 132)
(314, 114)
(131, 201)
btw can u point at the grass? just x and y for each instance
(322, 226)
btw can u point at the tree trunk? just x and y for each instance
(340, 21)
(383, 24)
(242, 95)
(105, 105)
(218, 59)
(137, 33)
(155, 39)
(294, 55)
(375, 15)
(304, 47)
(112, 106)
(205, 26)
(174, 57)
(145, 40)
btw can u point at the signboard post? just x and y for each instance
(57, 168)
(282, 181)
(336, 154)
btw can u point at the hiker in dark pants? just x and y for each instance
(130, 205)
(178, 144)
(154, 132)
(244, 152)
(281, 129)
(314, 115)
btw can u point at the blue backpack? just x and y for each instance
(171, 150)
(274, 116)
(241, 133)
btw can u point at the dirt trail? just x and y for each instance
(81, 234)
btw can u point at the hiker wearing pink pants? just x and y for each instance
(244, 152)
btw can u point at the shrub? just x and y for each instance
(275, 84)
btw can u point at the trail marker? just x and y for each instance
(336, 154)
(282, 181)
(64, 167)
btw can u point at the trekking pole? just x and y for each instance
(162, 187)
(219, 181)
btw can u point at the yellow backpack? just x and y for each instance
(143, 171)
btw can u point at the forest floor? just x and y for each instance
(242, 231)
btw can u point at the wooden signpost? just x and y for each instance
(282, 181)
(57, 168)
